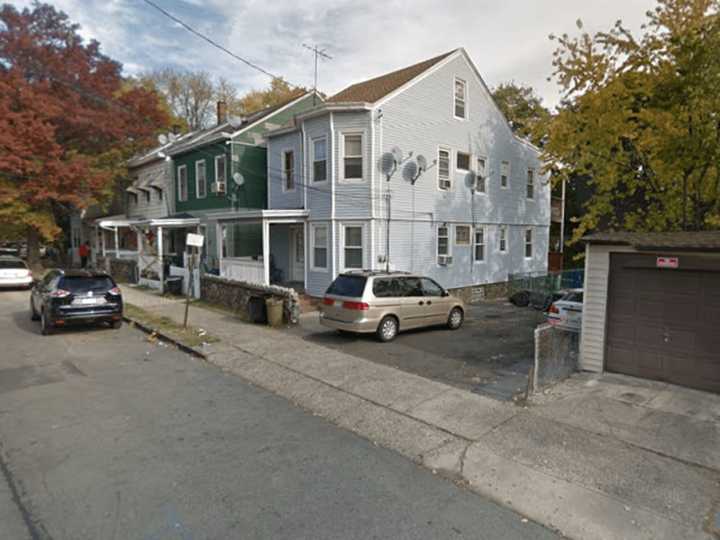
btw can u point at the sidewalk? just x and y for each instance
(580, 481)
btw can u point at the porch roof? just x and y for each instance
(277, 215)
(118, 220)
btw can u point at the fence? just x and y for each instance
(546, 283)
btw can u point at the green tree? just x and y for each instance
(278, 92)
(640, 119)
(524, 110)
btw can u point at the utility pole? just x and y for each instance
(317, 52)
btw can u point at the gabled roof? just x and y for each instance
(644, 241)
(154, 153)
(374, 89)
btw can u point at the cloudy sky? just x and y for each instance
(508, 40)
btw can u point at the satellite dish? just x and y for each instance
(162, 139)
(173, 137)
(421, 163)
(235, 122)
(397, 154)
(387, 164)
(238, 178)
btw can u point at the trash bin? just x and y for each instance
(173, 285)
(257, 310)
(274, 311)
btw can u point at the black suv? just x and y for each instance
(63, 297)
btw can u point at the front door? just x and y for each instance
(297, 254)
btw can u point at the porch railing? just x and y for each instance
(243, 269)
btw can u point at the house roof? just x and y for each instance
(374, 89)
(679, 241)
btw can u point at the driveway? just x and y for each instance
(490, 355)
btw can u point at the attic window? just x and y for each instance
(460, 99)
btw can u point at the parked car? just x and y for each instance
(66, 297)
(14, 272)
(387, 303)
(567, 312)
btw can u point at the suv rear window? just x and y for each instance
(348, 286)
(12, 265)
(76, 284)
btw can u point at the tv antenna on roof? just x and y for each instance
(317, 52)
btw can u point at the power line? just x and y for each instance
(215, 43)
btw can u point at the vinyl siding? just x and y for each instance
(157, 207)
(277, 197)
(352, 198)
(319, 194)
(592, 337)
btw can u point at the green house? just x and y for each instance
(222, 170)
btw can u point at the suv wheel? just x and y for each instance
(45, 327)
(116, 324)
(387, 329)
(455, 319)
(33, 314)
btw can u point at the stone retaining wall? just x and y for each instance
(556, 355)
(478, 293)
(235, 295)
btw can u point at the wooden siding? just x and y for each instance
(157, 207)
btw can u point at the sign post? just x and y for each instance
(192, 241)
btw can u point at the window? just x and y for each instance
(462, 235)
(147, 196)
(387, 288)
(352, 157)
(182, 190)
(352, 286)
(320, 160)
(319, 247)
(530, 188)
(220, 172)
(411, 286)
(430, 288)
(160, 194)
(502, 239)
(528, 243)
(479, 246)
(353, 248)
(462, 161)
(443, 244)
(481, 186)
(504, 174)
(200, 180)
(460, 98)
(288, 170)
(444, 169)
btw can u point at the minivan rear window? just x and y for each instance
(12, 265)
(353, 286)
(79, 284)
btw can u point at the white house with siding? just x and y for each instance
(478, 211)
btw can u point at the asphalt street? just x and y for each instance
(106, 435)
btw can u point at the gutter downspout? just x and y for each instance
(333, 174)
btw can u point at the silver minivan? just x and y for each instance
(386, 303)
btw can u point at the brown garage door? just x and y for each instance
(664, 324)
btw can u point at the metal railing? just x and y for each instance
(546, 282)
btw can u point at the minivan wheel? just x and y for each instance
(45, 327)
(455, 319)
(387, 329)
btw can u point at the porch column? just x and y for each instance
(117, 244)
(102, 241)
(160, 258)
(266, 250)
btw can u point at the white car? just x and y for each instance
(567, 312)
(14, 273)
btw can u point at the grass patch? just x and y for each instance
(190, 336)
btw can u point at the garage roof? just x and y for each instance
(680, 241)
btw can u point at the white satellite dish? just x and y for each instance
(422, 163)
(235, 122)
(173, 137)
(238, 178)
(162, 139)
(397, 154)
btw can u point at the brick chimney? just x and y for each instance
(221, 112)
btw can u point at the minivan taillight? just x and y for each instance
(115, 291)
(328, 301)
(60, 293)
(553, 309)
(358, 306)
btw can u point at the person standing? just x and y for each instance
(84, 252)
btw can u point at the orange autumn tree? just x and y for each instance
(68, 121)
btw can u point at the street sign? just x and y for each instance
(195, 240)
(667, 262)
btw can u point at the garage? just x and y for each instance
(652, 307)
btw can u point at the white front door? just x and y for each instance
(297, 254)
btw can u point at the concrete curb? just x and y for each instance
(165, 337)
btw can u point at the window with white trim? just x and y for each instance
(319, 240)
(353, 246)
(504, 174)
(319, 150)
(200, 180)
(462, 161)
(460, 98)
(502, 239)
(288, 159)
(444, 252)
(352, 156)
(479, 245)
(528, 243)
(443, 169)
(530, 187)
(182, 187)
(481, 186)
(462, 235)
(220, 174)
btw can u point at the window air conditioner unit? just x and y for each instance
(445, 184)
(218, 187)
(444, 260)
